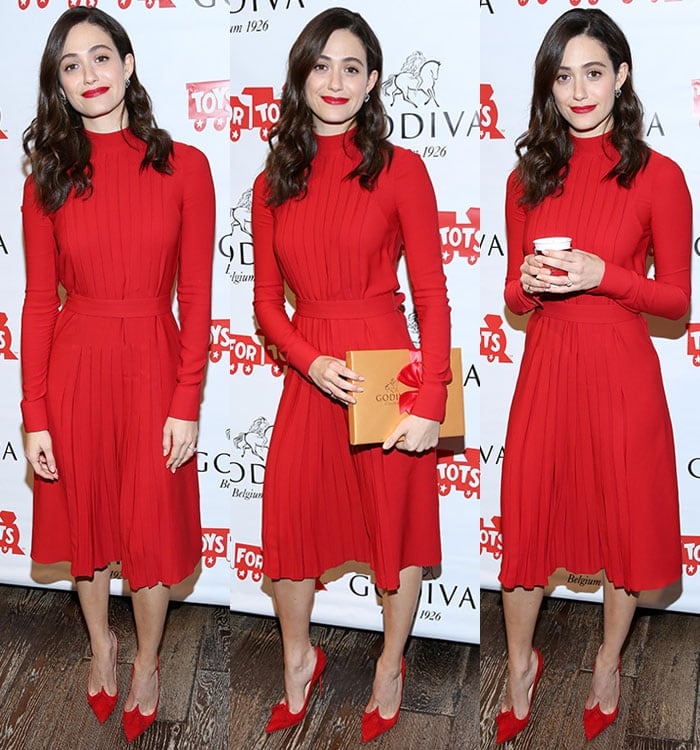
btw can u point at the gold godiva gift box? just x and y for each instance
(392, 378)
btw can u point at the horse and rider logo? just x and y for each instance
(416, 79)
(255, 439)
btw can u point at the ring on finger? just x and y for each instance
(569, 282)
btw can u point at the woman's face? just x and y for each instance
(336, 87)
(93, 77)
(584, 89)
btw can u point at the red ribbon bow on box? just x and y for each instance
(412, 376)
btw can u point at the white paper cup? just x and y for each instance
(553, 243)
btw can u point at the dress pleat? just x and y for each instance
(325, 502)
(589, 476)
(118, 363)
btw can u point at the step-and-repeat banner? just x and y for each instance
(669, 87)
(430, 85)
(182, 58)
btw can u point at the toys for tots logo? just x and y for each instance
(215, 545)
(493, 339)
(488, 114)
(123, 4)
(5, 338)
(9, 533)
(248, 561)
(459, 237)
(690, 551)
(490, 538)
(694, 343)
(208, 100)
(260, 111)
(245, 352)
(237, 245)
(459, 473)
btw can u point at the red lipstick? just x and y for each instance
(91, 93)
(583, 110)
(334, 100)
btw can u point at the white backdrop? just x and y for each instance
(189, 91)
(663, 38)
(444, 130)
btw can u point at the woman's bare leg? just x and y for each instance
(93, 594)
(294, 601)
(520, 608)
(150, 610)
(399, 609)
(618, 610)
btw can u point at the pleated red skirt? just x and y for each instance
(110, 382)
(589, 474)
(326, 502)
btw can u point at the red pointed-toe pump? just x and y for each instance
(508, 723)
(594, 720)
(134, 722)
(102, 703)
(281, 717)
(373, 723)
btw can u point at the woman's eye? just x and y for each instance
(594, 73)
(320, 66)
(562, 77)
(102, 58)
(352, 69)
(71, 66)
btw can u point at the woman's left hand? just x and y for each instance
(583, 271)
(414, 434)
(179, 442)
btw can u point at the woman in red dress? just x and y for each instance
(113, 211)
(589, 478)
(332, 211)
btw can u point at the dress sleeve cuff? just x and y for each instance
(34, 415)
(185, 402)
(430, 401)
(616, 282)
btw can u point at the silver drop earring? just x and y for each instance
(366, 98)
(127, 83)
(618, 93)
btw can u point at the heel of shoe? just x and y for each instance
(373, 723)
(594, 720)
(134, 722)
(280, 716)
(102, 703)
(507, 723)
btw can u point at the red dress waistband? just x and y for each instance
(590, 309)
(350, 309)
(118, 308)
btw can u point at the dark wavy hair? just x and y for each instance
(545, 148)
(292, 141)
(55, 142)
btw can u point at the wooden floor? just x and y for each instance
(659, 709)
(220, 674)
(44, 659)
(440, 702)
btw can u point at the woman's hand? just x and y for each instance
(334, 378)
(583, 271)
(38, 449)
(414, 434)
(179, 442)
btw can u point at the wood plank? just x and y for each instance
(668, 677)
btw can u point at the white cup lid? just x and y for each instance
(552, 243)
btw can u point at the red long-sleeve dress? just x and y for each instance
(589, 475)
(324, 502)
(104, 372)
